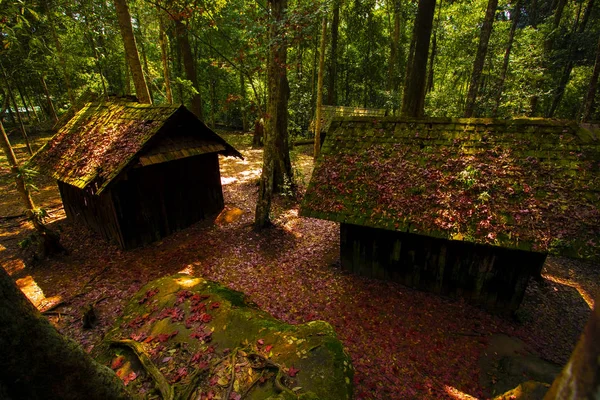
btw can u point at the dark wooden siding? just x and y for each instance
(492, 277)
(97, 212)
(154, 201)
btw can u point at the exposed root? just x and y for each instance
(166, 390)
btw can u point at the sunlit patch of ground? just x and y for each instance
(404, 343)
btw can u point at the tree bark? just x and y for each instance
(59, 51)
(392, 84)
(277, 79)
(580, 378)
(432, 53)
(48, 99)
(591, 94)
(413, 103)
(162, 38)
(16, 107)
(188, 65)
(516, 15)
(243, 104)
(39, 363)
(484, 38)
(333, 64)
(320, 88)
(49, 240)
(133, 58)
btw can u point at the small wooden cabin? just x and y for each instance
(462, 207)
(135, 172)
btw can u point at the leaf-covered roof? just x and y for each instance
(104, 138)
(527, 183)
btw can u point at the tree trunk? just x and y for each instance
(243, 105)
(48, 99)
(591, 94)
(413, 103)
(276, 74)
(59, 50)
(133, 58)
(16, 107)
(516, 14)
(432, 53)
(127, 78)
(188, 64)
(40, 363)
(484, 38)
(49, 241)
(580, 378)
(162, 39)
(331, 92)
(394, 44)
(566, 73)
(320, 88)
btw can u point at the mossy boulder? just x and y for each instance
(183, 337)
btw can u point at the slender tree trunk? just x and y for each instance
(188, 64)
(566, 73)
(40, 363)
(277, 79)
(392, 83)
(580, 378)
(244, 103)
(591, 94)
(59, 51)
(333, 64)
(516, 14)
(16, 107)
(48, 99)
(433, 52)
(25, 105)
(49, 240)
(586, 16)
(320, 88)
(127, 78)
(133, 58)
(484, 38)
(413, 104)
(313, 82)
(162, 38)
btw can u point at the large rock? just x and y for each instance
(183, 337)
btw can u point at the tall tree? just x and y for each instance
(333, 62)
(40, 363)
(276, 118)
(392, 83)
(484, 38)
(133, 58)
(320, 89)
(162, 38)
(592, 88)
(413, 103)
(515, 16)
(189, 65)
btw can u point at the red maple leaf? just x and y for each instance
(293, 371)
(117, 362)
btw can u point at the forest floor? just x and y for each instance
(404, 343)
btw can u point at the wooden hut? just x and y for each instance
(462, 207)
(135, 172)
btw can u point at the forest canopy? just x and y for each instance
(540, 58)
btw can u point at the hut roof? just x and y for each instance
(329, 113)
(527, 183)
(104, 138)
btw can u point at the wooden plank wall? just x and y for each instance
(96, 212)
(157, 200)
(489, 276)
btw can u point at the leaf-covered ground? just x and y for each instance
(404, 343)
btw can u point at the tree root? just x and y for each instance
(166, 390)
(259, 362)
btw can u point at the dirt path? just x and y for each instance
(404, 343)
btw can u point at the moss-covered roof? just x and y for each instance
(104, 138)
(329, 113)
(527, 183)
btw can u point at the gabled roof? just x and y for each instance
(527, 183)
(102, 139)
